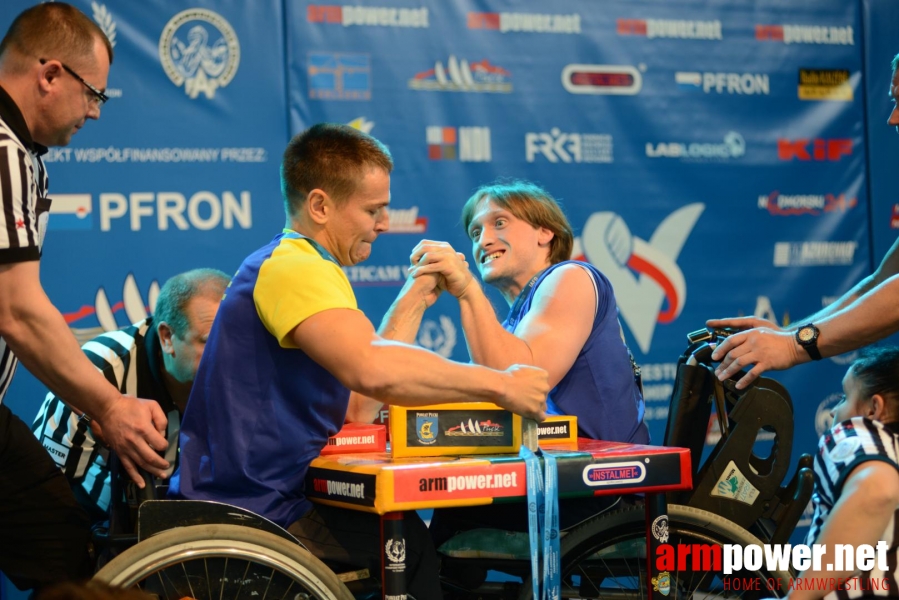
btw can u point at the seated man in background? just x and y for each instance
(289, 345)
(156, 359)
(563, 318)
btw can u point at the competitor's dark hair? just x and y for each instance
(331, 157)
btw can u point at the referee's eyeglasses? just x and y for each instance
(98, 97)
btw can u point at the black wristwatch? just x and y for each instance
(807, 337)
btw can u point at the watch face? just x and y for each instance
(806, 334)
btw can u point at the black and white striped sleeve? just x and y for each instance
(20, 229)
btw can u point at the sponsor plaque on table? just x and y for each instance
(454, 429)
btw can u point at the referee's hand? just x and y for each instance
(135, 429)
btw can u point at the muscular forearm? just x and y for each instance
(425, 378)
(401, 324)
(488, 343)
(870, 318)
(40, 338)
(863, 287)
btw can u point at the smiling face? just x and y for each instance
(508, 251)
(355, 223)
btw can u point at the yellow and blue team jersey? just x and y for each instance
(261, 409)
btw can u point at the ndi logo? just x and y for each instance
(199, 50)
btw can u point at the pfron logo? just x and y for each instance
(556, 146)
(614, 80)
(136, 309)
(814, 254)
(784, 205)
(439, 337)
(339, 76)
(507, 22)
(748, 84)
(667, 28)
(645, 275)
(406, 220)
(734, 146)
(805, 34)
(199, 50)
(465, 144)
(71, 211)
(818, 149)
(460, 76)
(370, 16)
(825, 84)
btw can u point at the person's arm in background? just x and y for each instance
(38, 335)
(550, 336)
(867, 503)
(401, 323)
(888, 267)
(872, 317)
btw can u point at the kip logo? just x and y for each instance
(460, 76)
(612, 80)
(199, 50)
(70, 211)
(465, 144)
(614, 474)
(648, 283)
(339, 76)
(818, 149)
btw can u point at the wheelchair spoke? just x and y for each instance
(187, 579)
(224, 577)
(208, 589)
(242, 581)
(287, 591)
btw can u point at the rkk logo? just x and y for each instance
(644, 274)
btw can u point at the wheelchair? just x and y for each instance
(174, 549)
(737, 498)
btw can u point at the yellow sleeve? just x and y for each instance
(296, 283)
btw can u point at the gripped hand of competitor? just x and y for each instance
(135, 429)
(526, 392)
(439, 257)
(767, 349)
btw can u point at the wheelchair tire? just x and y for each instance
(605, 557)
(209, 562)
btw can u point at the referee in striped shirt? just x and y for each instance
(54, 62)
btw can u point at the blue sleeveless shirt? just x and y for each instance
(600, 388)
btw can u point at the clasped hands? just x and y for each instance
(436, 266)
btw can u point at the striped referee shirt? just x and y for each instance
(23, 193)
(130, 359)
(846, 446)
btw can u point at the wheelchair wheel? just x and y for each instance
(210, 562)
(605, 557)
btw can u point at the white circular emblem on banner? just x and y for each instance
(199, 49)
